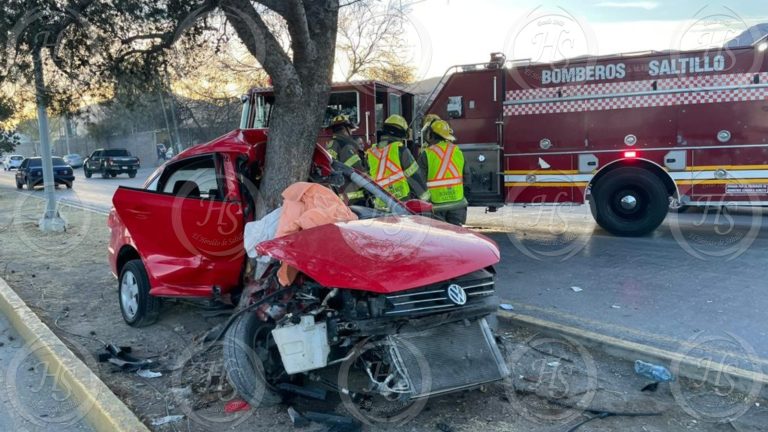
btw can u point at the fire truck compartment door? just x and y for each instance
(482, 175)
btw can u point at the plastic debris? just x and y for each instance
(297, 419)
(506, 306)
(167, 419)
(236, 405)
(553, 364)
(653, 372)
(576, 289)
(146, 373)
(616, 306)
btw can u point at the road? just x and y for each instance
(699, 279)
(32, 399)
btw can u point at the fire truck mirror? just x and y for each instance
(455, 106)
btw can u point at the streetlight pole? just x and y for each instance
(50, 221)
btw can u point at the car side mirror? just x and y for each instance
(418, 206)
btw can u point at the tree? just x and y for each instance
(372, 43)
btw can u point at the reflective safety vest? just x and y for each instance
(445, 177)
(387, 172)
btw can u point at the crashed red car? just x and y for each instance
(400, 299)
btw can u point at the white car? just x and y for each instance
(12, 162)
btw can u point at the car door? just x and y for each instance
(188, 233)
(21, 170)
(94, 162)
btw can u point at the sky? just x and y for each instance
(450, 32)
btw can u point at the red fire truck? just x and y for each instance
(631, 134)
(367, 103)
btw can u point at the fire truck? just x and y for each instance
(632, 134)
(367, 103)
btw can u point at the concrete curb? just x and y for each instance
(690, 367)
(101, 408)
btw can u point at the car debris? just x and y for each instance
(506, 307)
(576, 289)
(122, 358)
(654, 372)
(236, 405)
(167, 419)
(146, 373)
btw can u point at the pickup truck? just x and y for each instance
(110, 163)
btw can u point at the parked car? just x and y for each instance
(396, 278)
(110, 163)
(74, 160)
(30, 173)
(12, 162)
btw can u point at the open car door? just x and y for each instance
(189, 238)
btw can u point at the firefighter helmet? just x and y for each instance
(442, 129)
(395, 126)
(426, 122)
(342, 120)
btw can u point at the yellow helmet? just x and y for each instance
(442, 129)
(342, 120)
(396, 126)
(429, 118)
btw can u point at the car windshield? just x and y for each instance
(72, 156)
(58, 161)
(17, 158)
(116, 152)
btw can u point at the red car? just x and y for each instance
(420, 286)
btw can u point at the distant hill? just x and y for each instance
(749, 36)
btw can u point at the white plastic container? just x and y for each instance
(304, 346)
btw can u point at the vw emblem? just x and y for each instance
(456, 294)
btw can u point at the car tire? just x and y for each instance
(69, 185)
(245, 368)
(113, 174)
(87, 172)
(104, 173)
(138, 307)
(630, 202)
(132, 174)
(29, 184)
(19, 185)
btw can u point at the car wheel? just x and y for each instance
(138, 307)
(630, 201)
(30, 186)
(104, 173)
(113, 174)
(69, 185)
(250, 356)
(132, 174)
(87, 172)
(19, 185)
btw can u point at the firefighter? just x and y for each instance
(345, 149)
(425, 122)
(443, 162)
(392, 166)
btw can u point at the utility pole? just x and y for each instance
(50, 221)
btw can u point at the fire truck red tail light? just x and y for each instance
(630, 154)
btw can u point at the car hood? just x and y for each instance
(383, 255)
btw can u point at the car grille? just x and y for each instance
(434, 298)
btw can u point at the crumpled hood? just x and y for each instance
(383, 255)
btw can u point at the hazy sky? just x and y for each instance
(449, 32)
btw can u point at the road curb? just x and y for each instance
(105, 412)
(689, 367)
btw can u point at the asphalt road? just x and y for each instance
(698, 282)
(32, 398)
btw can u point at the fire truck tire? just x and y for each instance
(630, 202)
(244, 358)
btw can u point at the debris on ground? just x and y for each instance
(167, 419)
(654, 372)
(616, 306)
(506, 306)
(122, 358)
(297, 419)
(236, 405)
(576, 289)
(146, 373)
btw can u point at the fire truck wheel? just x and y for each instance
(630, 201)
(249, 356)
